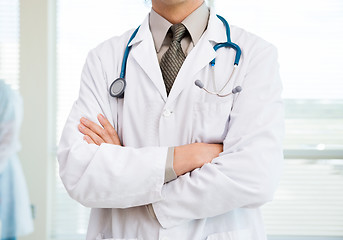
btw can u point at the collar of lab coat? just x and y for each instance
(212, 32)
(198, 58)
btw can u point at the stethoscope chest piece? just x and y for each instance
(117, 88)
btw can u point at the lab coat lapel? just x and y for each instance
(200, 56)
(144, 53)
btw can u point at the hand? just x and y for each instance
(95, 134)
(191, 156)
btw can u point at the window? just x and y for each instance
(308, 200)
(308, 35)
(9, 42)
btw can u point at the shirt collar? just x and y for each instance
(159, 27)
(195, 23)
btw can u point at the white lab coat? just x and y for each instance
(221, 200)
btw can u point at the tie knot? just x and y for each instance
(179, 31)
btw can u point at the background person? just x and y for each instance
(15, 210)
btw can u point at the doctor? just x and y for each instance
(169, 160)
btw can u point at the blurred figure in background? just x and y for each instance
(15, 211)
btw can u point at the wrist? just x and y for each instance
(186, 158)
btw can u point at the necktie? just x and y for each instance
(173, 59)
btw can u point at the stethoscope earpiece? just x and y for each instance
(199, 84)
(117, 88)
(237, 89)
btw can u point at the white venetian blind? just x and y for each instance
(9, 42)
(309, 36)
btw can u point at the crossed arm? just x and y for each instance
(244, 175)
(186, 157)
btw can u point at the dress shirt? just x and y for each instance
(196, 24)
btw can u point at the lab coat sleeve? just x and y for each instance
(106, 176)
(246, 173)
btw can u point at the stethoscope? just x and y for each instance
(118, 86)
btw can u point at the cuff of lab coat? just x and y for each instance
(168, 176)
(169, 170)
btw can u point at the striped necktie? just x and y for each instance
(173, 59)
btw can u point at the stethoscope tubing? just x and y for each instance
(233, 71)
(126, 54)
(229, 44)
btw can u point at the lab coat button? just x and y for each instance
(167, 113)
(164, 238)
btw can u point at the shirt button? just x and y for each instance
(167, 113)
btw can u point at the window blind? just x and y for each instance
(308, 201)
(9, 42)
(308, 35)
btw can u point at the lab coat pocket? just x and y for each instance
(210, 121)
(233, 235)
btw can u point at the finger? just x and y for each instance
(86, 131)
(105, 123)
(88, 139)
(109, 128)
(91, 125)
(96, 129)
